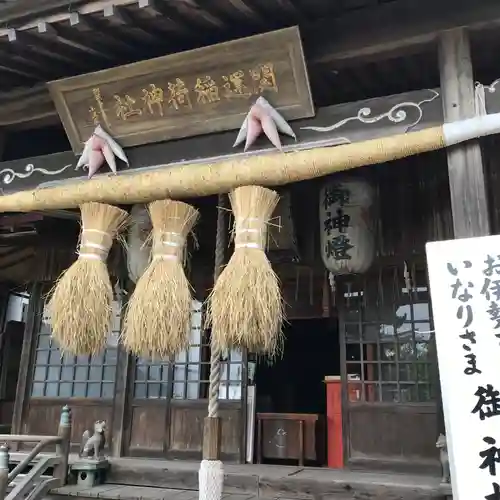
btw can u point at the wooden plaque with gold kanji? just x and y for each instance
(189, 93)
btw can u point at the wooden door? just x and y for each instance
(169, 401)
(389, 369)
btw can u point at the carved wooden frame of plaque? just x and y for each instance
(197, 92)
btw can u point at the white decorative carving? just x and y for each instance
(7, 175)
(397, 114)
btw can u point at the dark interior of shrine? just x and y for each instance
(294, 381)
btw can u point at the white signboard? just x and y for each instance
(464, 280)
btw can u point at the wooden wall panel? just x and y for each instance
(176, 431)
(303, 288)
(43, 417)
(148, 428)
(414, 204)
(490, 147)
(403, 432)
(186, 430)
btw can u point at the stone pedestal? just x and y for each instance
(90, 472)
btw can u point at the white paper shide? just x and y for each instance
(464, 280)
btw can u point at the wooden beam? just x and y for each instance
(333, 125)
(28, 105)
(465, 167)
(26, 9)
(29, 12)
(364, 33)
(360, 33)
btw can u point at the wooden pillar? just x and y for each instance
(121, 400)
(63, 448)
(4, 470)
(2, 143)
(468, 194)
(23, 386)
(465, 166)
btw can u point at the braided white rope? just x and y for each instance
(211, 473)
(215, 369)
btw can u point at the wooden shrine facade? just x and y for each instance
(157, 409)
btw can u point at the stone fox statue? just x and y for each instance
(94, 444)
(443, 457)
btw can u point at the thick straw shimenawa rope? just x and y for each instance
(158, 317)
(81, 301)
(207, 179)
(191, 180)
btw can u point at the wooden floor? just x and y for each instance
(141, 479)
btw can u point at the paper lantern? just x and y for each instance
(138, 248)
(346, 226)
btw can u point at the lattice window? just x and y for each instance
(190, 371)
(231, 369)
(390, 348)
(57, 375)
(151, 379)
(192, 367)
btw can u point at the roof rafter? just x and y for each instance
(87, 25)
(173, 22)
(49, 49)
(364, 33)
(70, 37)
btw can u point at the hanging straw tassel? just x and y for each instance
(158, 317)
(245, 306)
(80, 305)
